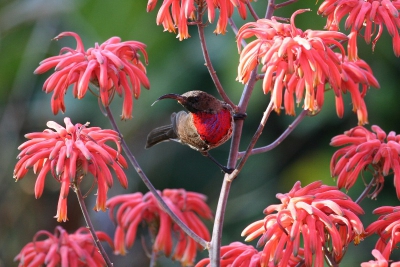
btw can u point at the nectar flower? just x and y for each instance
(69, 153)
(113, 67)
(388, 229)
(322, 216)
(379, 262)
(63, 249)
(137, 208)
(364, 148)
(300, 65)
(177, 14)
(237, 254)
(364, 14)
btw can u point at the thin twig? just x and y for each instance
(280, 5)
(209, 65)
(252, 11)
(280, 139)
(253, 141)
(150, 186)
(364, 194)
(90, 225)
(270, 9)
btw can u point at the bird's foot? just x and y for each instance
(239, 116)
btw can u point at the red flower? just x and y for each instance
(107, 66)
(380, 261)
(176, 13)
(237, 254)
(363, 14)
(70, 153)
(298, 65)
(388, 229)
(136, 208)
(324, 216)
(63, 249)
(362, 149)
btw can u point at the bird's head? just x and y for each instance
(196, 101)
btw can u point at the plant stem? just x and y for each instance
(150, 186)
(280, 139)
(90, 225)
(208, 64)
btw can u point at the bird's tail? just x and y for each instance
(160, 134)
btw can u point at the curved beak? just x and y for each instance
(181, 99)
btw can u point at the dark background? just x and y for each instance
(26, 30)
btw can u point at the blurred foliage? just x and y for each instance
(26, 30)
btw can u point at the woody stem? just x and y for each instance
(89, 224)
(150, 186)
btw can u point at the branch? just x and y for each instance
(150, 186)
(252, 11)
(253, 141)
(89, 224)
(280, 139)
(209, 65)
(277, 6)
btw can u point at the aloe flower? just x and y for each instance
(62, 249)
(364, 15)
(363, 148)
(69, 153)
(238, 254)
(134, 209)
(181, 13)
(298, 66)
(388, 228)
(320, 215)
(112, 67)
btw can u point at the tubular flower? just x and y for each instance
(175, 14)
(388, 228)
(364, 148)
(322, 216)
(63, 249)
(297, 65)
(69, 154)
(237, 254)
(113, 66)
(363, 14)
(133, 209)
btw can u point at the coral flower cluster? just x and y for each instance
(133, 209)
(388, 228)
(113, 67)
(238, 254)
(299, 65)
(364, 14)
(363, 148)
(69, 153)
(63, 249)
(177, 14)
(324, 218)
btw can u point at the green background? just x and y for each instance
(26, 30)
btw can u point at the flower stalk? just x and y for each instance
(86, 216)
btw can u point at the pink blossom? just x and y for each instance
(364, 148)
(364, 15)
(63, 249)
(322, 216)
(113, 67)
(299, 65)
(133, 209)
(69, 153)
(181, 13)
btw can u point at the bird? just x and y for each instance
(207, 124)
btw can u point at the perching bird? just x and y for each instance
(208, 124)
